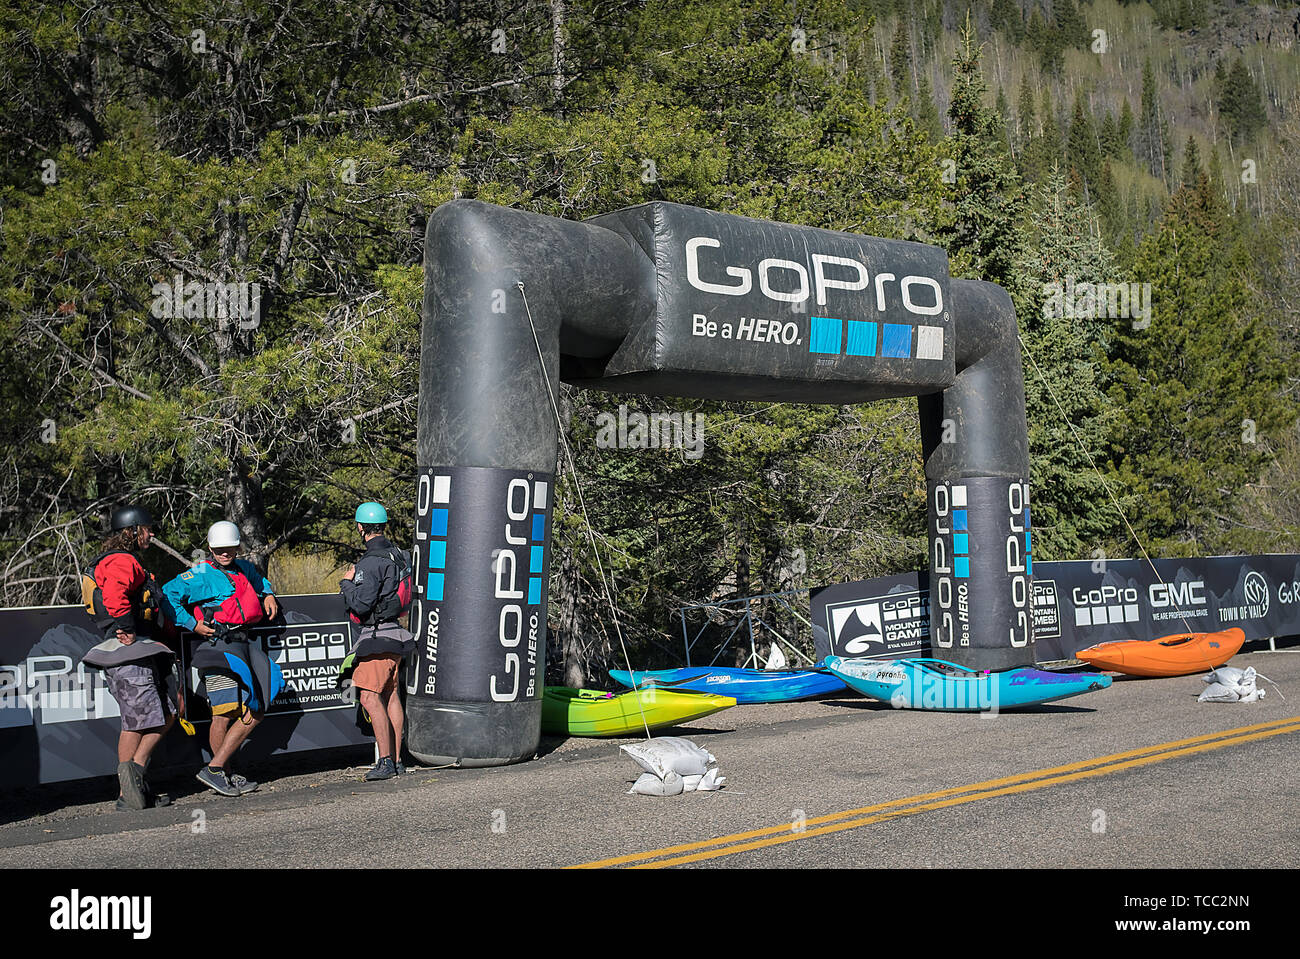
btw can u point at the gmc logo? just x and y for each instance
(1177, 594)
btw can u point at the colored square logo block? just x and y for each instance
(534, 559)
(898, 340)
(539, 526)
(438, 554)
(534, 590)
(959, 520)
(961, 543)
(929, 342)
(1029, 565)
(433, 589)
(824, 337)
(441, 489)
(862, 339)
(438, 522)
(961, 567)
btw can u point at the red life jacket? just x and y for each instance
(242, 608)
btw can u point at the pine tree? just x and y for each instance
(1082, 153)
(900, 59)
(1006, 16)
(1188, 381)
(1152, 132)
(1026, 123)
(1110, 205)
(1239, 101)
(1126, 130)
(982, 238)
(1191, 170)
(1070, 25)
(1072, 514)
(927, 113)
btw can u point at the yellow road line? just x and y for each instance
(1021, 782)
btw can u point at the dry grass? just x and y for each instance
(296, 573)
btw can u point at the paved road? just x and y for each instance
(794, 775)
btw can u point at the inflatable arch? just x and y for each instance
(671, 300)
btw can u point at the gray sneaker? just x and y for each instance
(217, 781)
(242, 784)
(384, 769)
(130, 778)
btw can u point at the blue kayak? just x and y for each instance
(743, 685)
(939, 685)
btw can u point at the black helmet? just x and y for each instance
(130, 516)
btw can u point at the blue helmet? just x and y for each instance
(370, 513)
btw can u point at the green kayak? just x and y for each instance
(593, 712)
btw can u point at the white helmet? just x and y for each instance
(224, 533)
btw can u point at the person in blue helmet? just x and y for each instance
(377, 591)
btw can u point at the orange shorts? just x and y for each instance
(377, 674)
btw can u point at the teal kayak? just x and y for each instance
(940, 685)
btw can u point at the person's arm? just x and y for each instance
(117, 575)
(361, 592)
(178, 591)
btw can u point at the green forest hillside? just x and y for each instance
(1059, 149)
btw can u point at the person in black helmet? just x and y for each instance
(377, 592)
(124, 600)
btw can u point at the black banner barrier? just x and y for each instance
(58, 721)
(1079, 603)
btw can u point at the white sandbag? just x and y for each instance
(1218, 693)
(665, 754)
(1251, 696)
(689, 783)
(648, 784)
(777, 658)
(1229, 676)
(711, 780)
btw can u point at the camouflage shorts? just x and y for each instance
(142, 695)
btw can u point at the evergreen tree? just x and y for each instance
(981, 238)
(1026, 122)
(1188, 381)
(1006, 16)
(1239, 102)
(1152, 133)
(1110, 205)
(1083, 155)
(1191, 170)
(1070, 25)
(900, 59)
(1072, 513)
(927, 113)
(1126, 130)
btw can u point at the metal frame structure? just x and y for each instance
(747, 619)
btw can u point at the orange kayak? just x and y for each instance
(1175, 655)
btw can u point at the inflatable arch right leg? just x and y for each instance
(670, 300)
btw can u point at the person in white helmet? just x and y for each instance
(219, 599)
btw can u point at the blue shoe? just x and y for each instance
(384, 769)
